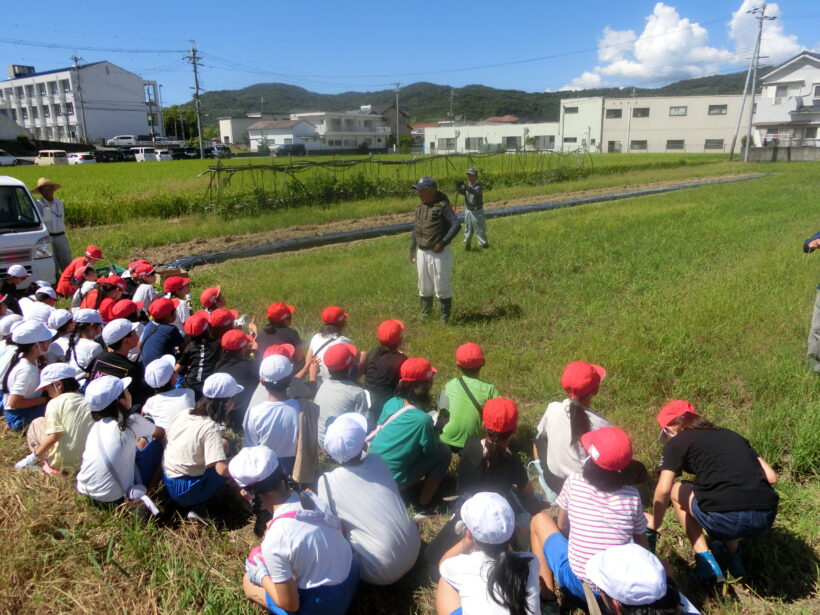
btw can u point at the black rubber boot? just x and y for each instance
(446, 306)
(426, 306)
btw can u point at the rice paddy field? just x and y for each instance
(702, 294)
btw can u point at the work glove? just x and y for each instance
(255, 566)
(30, 461)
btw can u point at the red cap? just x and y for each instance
(223, 317)
(390, 332)
(608, 447)
(339, 357)
(673, 410)
(174, 283)
(417, 370)
(79, 273)
(160, 308)
(3, 298)
(333, 315)
(196, 324)
(115, 280)
(286, 350)
(93, 252)
(278, 312)
(143, 270)
(581, 378)
(124, 308)
(133, 264)
(209, 296)
(236, 339)
(469, 356)
(500, 414)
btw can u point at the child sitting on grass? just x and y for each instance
(383, 365)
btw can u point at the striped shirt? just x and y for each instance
(598, 520)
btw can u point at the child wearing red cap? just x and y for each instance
(334, 320)
(279, 330)
(177, 289)
(145, 276)
(557, 448)
(86, 277)
(339, 394)
(212, 299)
(65, 285)
(600, 508)
(383, 365)
(105, 294)
(198, 360)
(463, 398)
(160, 337)
(731, 496)
(237, 361)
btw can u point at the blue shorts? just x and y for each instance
(188, 491)
(556, 549)
(147, 461)
(18, 420)
(325, 599)
(732, 524)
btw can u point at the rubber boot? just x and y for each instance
(446, 305)
(426, 306)
(707, 569)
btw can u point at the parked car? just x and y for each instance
(120, 140)
(48, 157)
(218, 151)
(184, 153)
(6, 159)
(161, 139)
(144, 154)
(289, 149)
(81, 158)
(108, 155)
(126, 154)
(164, 154)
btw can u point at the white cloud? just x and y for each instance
(672, 47)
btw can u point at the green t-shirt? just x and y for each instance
(406, 439)
(68, 415)
(465, 421)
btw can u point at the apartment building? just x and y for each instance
(235, 130)
(455, 137)
(347, 130)
(87, 103)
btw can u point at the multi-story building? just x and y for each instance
(84, 103)
(347, 129)
(455, 137)
(235, 130)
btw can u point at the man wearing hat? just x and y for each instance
(813, 356)
(52, 211)
(474, 221)
(435, 226)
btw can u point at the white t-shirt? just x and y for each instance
(163, 407)
(194, 443)
(57, 350)
(134, 353)
(365, 497)
(312, 553)
(320, 341)
(183, 312)
(274, 424)
(84, 353)
(94, 479)
(23, 380)
(145, 293)
(468, 573)
(563, 458)
(336, 397)
(35, 310)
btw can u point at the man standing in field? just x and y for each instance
(435, 227)
(810, 245)
(474, 221)
(52, 211)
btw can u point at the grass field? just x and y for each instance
(702, 294)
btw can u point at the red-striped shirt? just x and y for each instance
(598, 520)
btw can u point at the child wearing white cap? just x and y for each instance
(304, 564)
(58, 439)
(62, 321)
(363, 494)
(112, 462)
(82, 346)
(167, 401)
(20, 375)
(195, 464)
(481, 573)
(120, 336)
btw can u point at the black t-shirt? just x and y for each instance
(473, 478)
(282, 335)
(113, 364)
(246, 373)
(198, 362)
(381, 375)
(727, 473)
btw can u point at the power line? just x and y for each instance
(25, 43)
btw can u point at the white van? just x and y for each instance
(48, 157)
(24, 239)
(144, 154)
(121, 140)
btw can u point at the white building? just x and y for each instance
(282, 132)
(91, 103)
(788, 109)
(449, 138)
(232, 130)
(348, 129)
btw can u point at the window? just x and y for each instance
(614, 114)
(473, 143)
(288, 140)
(64, 85)
(638, 145)
(613, 147)
(545, 141)
(69, 108)
(512, 142)
(57, 112)
(640, 112)
(810, 132)
(35, 114)
(677, 111)
(817, 91)
(18, 91)
(717, 109)
(570, 109)
(674, 144)
(447, 143)
(52, 87)
(30, 91)
(46, 112)
(42, 89)
(14, 114)
(570, 139)
(335, 124)
(713, 144)
(24, 113)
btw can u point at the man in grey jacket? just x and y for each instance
(474, 221)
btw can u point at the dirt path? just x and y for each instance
(168, 252)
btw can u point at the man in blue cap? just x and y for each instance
(435, 227)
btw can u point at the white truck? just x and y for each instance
(24, 239)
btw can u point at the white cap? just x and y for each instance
(17, 271)
(101, 392)
(31, 332)
(59, 318)
(629, 574)
(7, 321)
(489, 517)
(87, 315)
(117, 329)
(57, 371)
(38, 311)
(345, 437)
(87, 287)
(252, 464)
(46, 290)
(274, 368)
(221, 386)
(159, 371)
(41, 284)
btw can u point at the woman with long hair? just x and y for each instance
(482, 573)
(20, 373)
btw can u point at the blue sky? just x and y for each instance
(332, 47)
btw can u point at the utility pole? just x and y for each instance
(181, 122)
(450, 114)
(80, 108)
(261, 105)
(396, 142)
(740, 113)
(759, 13)
(150, 113)
(194, 60)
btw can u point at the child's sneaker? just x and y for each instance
(537, 472)
(707, 570)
